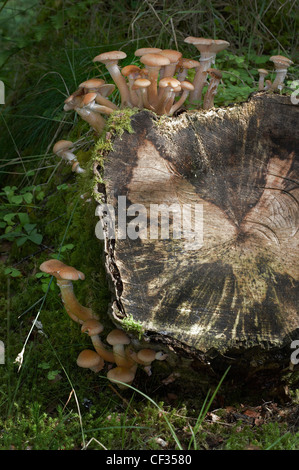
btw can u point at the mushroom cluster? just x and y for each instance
(118, 349)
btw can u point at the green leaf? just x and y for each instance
(8, 218)
(35, 237)
(16, 199)
(21, 241)
(28, 197)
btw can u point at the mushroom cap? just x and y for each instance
(146, 355)
(60, 270)
(169, 82)
(189, 63)
(263, 71)
(106, 89)
(121, 374)
(186, 85)
(215, 73)
(89, 358)
(112, 56)
(219, 45)
(141, 83)
(154, 60)
(172, 55)
(62, 145)
(147, 50)
(130, 70)
(92, 83)
(87, 99)
(75, 166)
(280, 61)
(92, 327)
(117, 337)
(202, 44)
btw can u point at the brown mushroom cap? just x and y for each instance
(92, 83)
(62, 145)
(130, 70)
(106, 89)
(154, 60)
(172, 55)
(146, 355)
(117, 336)
(219, 45)
(186, 85)
(121, 374)
(215, 73)
(92, 327)
(141, 83)
(87, 99)
(60, 270)
(188, 63)
(89, 359)
(280, 61)
(263, 71)
(112, 56)
(169, 82)
(202, 44)
(147, 50)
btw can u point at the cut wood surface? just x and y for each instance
(237, 289)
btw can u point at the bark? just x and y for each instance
(238, 292)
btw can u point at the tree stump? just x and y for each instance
(230, 294)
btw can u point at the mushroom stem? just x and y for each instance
(96, 121)
(216, 76)
(70, 301)
(93, 328)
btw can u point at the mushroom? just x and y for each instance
(121, 374)
(208, 49)
(76, 168)
(73, 100)
(174, 57)
(187, 88)
(62, 149)
(110, 60)
(168, 86)
(102, 89)
(216, 76)
(84, 109)
(153, 63)
(183, 66)
(147, 50)
(132, 72)
(118, 339)
(140, 86)
(146, 357)
(262, 74)
(281, 64)
(93, 328)
(90, 360)
(64, 275)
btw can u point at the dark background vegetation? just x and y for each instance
(46, 51)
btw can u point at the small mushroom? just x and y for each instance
(76, 168)
(84, 109)
(89, 359)
(64, 276)
(62, 149)
(168, 86)
(281, 64)
(262, 74)
(184, 65)
(121, 374)
(174, 57)
(146, 357)
(187, 87)
(208, 49)
(118, 339)
(140, 86)
(93, 328)
(153, 63)
(147, 50)
(216, 76)
(110, 60)
(132, 73)
(102, 89)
